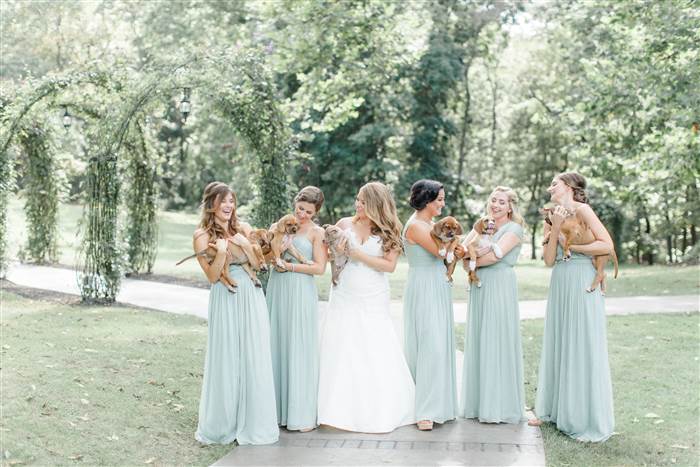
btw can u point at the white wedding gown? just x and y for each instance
(364, 382)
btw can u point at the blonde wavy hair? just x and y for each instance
(380, 209)
(211, 199)
(512, 196)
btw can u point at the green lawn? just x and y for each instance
(654, 363)
(100, 385)
(128, 382)
(175, 242)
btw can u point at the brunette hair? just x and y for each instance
(310, 194)
(424, 192)
(211, 198)
(577, 183)
(381, 211)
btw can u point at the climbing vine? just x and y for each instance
(141, 231)
(42, 193)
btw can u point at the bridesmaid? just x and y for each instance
(574, 389)
(292, 300)
(492, 376)
(237, 401)
(428, 315)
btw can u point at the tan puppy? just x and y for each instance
(250, 256)
(483, 229)
(445, 234)
(210, 253)
(282, 233)
(577, 232)
(338, 258)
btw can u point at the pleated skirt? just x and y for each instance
(292, 300)
(429, 342)
(492, 376)
(238, 395)
(574, 389)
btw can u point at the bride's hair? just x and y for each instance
(380, 209)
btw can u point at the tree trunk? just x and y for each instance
(466, 123)
(533, 255)
(650, 251)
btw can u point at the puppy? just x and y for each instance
(483, 229)
(339, 258)
(210, 254)
(445, 234)
(251, 255)
(576, 232)
(281, 235)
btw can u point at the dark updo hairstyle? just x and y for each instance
(424, 192)
(310, 194)
(577, 183)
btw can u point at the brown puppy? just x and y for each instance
(282, 233)
(577, 232)
(484, 228)
(445, 234)
(250, 255)
(339, 258)
(210, 253)
(260, 240)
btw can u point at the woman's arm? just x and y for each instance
(201, 242)
(603, 244)
(320, 257)
(419, 233)
(506, 243)
(386, 263)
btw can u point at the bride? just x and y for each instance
(364, 382)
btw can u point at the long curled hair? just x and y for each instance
(380, 209)
(512, 196)
(577, 183)
(213, 194)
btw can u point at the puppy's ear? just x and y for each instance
(459, 229)
(325, 226)
(479, 226)
(437, 227)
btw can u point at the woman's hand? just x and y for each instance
(460, 252)
(221, 245)
(558, 217)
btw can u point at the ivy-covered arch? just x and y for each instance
(238, 87)
(24, 126)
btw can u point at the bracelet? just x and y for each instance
(497, 251)
(292, 267)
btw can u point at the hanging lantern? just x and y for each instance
(67, 119)
(185, 105)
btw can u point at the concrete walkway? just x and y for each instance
(193, 300)
(462, 442)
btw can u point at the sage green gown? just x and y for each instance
(574, 390)
(238, 393)
(292, 300)
(429, 341)
(492, 376)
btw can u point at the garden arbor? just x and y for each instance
(234, 84)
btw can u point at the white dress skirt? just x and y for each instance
(364, 382)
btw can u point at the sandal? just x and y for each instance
(535, 422)
(425, 425)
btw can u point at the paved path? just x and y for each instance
(463, 442)
(193, 300)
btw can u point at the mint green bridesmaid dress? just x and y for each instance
(429, 341)
(238, 393)
(574, 390)
(292, 301)
(492, 376)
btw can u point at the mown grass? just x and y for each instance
(100, 385)
(175, 242)
(654, 365)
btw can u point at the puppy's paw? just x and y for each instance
(450, 257)
(257, 283)
(442, 252)
(590, 289)
(280, 264)
(263, 267)
(478, 284)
